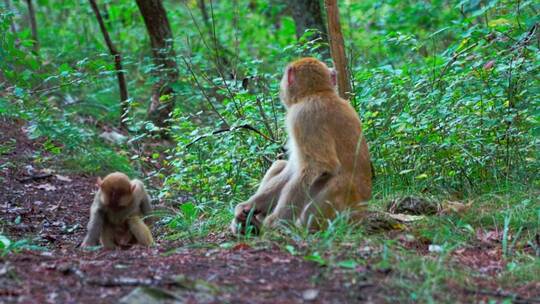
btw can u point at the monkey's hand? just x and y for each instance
(88, 244)
(247, 219)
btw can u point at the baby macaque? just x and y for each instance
(116, 215)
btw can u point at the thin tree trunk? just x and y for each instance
(220, 50)
(11, 23)
(307, 14)
(204, 12)
(122, 86)
(33, 25)
(337, 49)
(161, 40)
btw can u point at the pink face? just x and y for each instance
(333, 76)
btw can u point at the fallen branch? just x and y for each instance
(503, 294)
(34, 178)
(123, 281)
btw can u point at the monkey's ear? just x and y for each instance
(99, 182)
(133, 187)
(290, 76)
(333, 76)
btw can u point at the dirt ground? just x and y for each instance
(51, 209)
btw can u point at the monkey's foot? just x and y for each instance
(247, 220)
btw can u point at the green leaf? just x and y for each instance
(291, 249)
(4, 242)
(316, 257)
(188, 211)
(349, 264)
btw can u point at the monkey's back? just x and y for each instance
(351, 147)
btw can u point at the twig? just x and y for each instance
(527, 39)
(34, 177)
(124, 281)
(206, 97)
(503, 294)
(453, 59)
(38, 90)
(120, 73)
(230, 129)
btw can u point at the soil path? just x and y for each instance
(52, 211)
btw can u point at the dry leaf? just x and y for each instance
(46, 187)
(488, 236)
(63, 178)
(406, 217)
(435, 248)
(310, 294)
(449, 207)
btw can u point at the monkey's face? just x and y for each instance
(116, 198)
(284, 88)
(116, 191)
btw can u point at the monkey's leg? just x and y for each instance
(266, 196)
(107, 237)
(276, 168)
(336, 195)
(315, 214)
(292, 200)
(263, 201)
(141, 232)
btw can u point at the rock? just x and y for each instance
(413, 205)
(310, 294)
(143, 295)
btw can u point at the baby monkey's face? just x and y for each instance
(116, 191)
(116, 198)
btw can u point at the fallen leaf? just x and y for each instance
(490, 236)
(241, 246)
(449, 207)
(310, 294)
(113, 137)
(149, 295)
(435, 248)
(489, 65)
(46, 187)
(406, 217)
(46, 171)
(63, 178)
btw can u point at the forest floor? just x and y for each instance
(52, 209)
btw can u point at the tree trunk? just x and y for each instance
(307, 14)
(222, 63)
(337, 49)
(33, 25)
(161, 40)
(11, 23)
(122, 86)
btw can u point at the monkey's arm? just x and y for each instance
(95, 225)
(142, 196)
(140, 231)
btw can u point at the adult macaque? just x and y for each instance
(116, 215)
(328, 168)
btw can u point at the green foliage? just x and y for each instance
(448, 93)
(7, 246)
